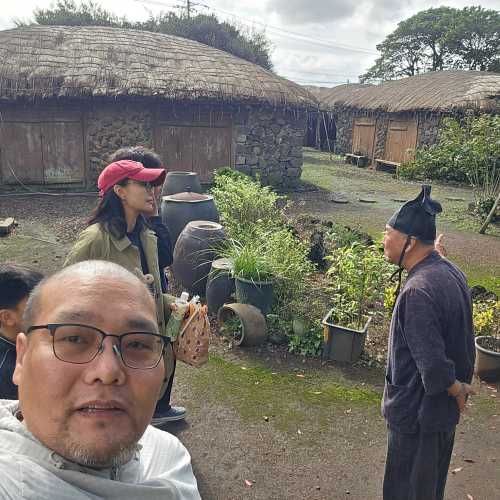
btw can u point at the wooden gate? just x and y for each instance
(363, 137)
(401, 140)
(194, 148)
(36, 151)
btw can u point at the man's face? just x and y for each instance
(92, 413)
(393, 242)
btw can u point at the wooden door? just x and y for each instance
(62, 152)
(175, 147)
(21, 153)
(363, 136)
(194, 148)
(212, 150)
(401, 140)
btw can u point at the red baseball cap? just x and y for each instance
(128, 169)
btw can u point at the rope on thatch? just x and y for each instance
(436, 91)
(39, 62)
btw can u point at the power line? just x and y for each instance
(278, 31)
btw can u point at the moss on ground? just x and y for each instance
(289, 401)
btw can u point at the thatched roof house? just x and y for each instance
(388, 121)
(71, 95)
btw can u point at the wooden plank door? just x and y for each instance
(175, 147)
(62, 152)
(21, 153)
(401, 140)
(211, 150)
(363, 136)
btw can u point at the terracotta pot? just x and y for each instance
(179, 182)
(487, 361)
(179, 209)
(220, 285)
(253, 323)
(194, 253)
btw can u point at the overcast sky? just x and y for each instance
(318, 42)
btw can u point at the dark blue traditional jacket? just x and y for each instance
(7, 364)
(431, 344)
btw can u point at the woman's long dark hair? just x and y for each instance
(110, 214)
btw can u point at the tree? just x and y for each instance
(252, 46)
(437, 39)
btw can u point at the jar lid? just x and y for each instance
(188, 197)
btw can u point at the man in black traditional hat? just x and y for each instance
(431, 356)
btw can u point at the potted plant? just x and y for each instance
(358, 274)
(253, 273)
(487, 328)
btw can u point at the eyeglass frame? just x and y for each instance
(148, 186)
(51, 327)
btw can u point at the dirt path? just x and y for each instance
(292, 428)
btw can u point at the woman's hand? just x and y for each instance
(439, 246)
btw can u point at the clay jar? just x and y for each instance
(220, 285)
(194, 252)
(180, 208)
(180, 182)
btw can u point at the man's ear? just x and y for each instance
(7, 317)
(412, 245)
(21, 349)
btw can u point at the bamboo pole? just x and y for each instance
(490, 215)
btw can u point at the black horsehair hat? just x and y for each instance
(417, 217)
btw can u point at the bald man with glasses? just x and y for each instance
(89, 371)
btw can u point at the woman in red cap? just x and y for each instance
(118, 232)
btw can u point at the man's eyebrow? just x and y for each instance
(142, 325)
(75, 316)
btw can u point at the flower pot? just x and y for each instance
(194, 253)
(254, 328)
(220, 285)
(341, 343)
(487, 361)
(256, 293)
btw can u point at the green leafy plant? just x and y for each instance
(486, 317)
(358, 275)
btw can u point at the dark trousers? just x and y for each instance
(417, 465)
(163, 404)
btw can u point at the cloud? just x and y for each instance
(299, 12)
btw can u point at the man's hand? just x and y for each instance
(439, 246)
(460, 392)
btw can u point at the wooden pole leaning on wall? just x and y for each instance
(326, 133)
(490, 215)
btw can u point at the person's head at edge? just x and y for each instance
(410, 233)
(146, 156)
(126, 190)
(16, 283)
(92, 413)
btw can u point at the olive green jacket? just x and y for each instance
(95, 243)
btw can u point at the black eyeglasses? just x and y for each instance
(80, 344)
(146, 185)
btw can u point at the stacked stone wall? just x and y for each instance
(269, 144)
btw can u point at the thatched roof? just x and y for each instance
(438, 91)
(318, 92)
(42, 62)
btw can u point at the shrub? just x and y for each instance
(486, 317)
(465, 152)
(358, 275)
(245, 207)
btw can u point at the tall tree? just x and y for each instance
(437, 39)
(250, 45)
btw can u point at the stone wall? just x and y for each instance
(269, 143)
(427, 133)
(109, 129)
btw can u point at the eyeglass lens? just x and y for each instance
(81, 344)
